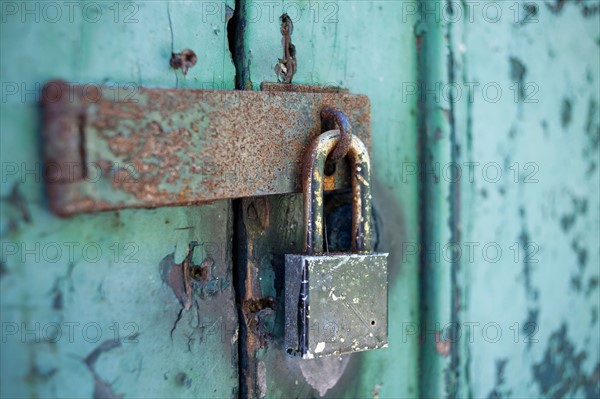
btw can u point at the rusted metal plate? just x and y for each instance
(300, 88)
(128, 147)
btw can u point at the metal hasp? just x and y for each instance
(335, 303)
(128, 147)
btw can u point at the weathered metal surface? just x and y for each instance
(313, 186)
(347, 295)
(164, 147)
(287, 66)
(332, 118)
(301, 88)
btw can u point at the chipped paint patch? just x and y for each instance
(442, 346)
(498, 392)
(560, 372)
(320, 347)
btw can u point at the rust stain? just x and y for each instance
(255, 310)
(179, 276)
(258, 213)
(313, 182)
(287, 66)
(102, 388)
(169, 147)
(121, 145)
(189, 280)
(184, 60)
(202, 273)
(333, 118)
(328, 183)
(442, 346)
(300, 88)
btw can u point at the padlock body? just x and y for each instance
(346, 307)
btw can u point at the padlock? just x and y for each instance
(335, 303)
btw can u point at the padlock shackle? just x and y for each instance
(313, 179)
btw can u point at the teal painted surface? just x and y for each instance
(544, 207)
(111, 278)
(528, 316)
(435, 203)
(370, 49)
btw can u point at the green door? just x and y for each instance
(85, 309)
(368, 47)
(485, 149)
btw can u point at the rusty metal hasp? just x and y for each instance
(128, 147)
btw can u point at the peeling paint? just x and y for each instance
(566, 112)
(498, 391)
(560, 373)
(528, 262)
(530, 326)
(102, 389)
(518, 71)
(188, 280)
(18, 212)
(442, 346)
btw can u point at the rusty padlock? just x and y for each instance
(335, 303)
